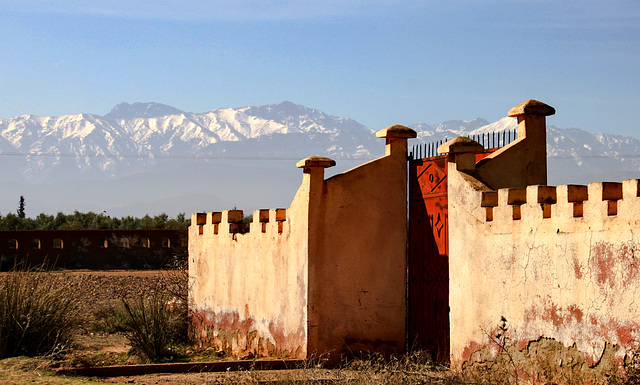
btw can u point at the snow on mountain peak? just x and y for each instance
(169, 149)
(504, 124)
(133, 136)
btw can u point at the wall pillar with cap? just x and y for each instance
(523, 162)
(313, 171)
(396, 139)
(357, 255)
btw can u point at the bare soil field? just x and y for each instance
(95, 345)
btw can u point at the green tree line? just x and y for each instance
(92, 221)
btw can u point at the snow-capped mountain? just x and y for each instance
(149, 157)
(134, 136)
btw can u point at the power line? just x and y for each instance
(596, 157)
(154, 156)
(226, 157)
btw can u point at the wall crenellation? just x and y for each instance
(265, 218)
(557, 262)
(595, 202)
(232, 222)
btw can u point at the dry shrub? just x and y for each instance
(38, 313)
(150, 325)
(155, 320)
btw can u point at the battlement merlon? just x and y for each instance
(263, 219)
(396, 139)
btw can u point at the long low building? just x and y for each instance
(91, 248)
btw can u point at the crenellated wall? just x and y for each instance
(325, 277)
(531, 266)
(250, 289)
(555, 262)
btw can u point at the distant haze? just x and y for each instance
(151, 158)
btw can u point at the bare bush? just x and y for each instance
(153, 320)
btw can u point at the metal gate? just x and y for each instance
(428, 262)
(428, 255)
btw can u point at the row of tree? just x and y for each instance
(91, 221)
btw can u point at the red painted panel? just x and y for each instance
(428, 260)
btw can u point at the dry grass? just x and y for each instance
(38, 315)
(99, 341)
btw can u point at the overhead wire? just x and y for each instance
(155, 156)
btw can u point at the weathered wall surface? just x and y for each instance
(328, 279)
(555, 262)
(249, 291)
(357, 262)
(566, 270)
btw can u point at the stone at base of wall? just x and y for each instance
(546, 361)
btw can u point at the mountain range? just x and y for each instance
(151, 158)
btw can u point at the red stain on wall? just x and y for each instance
(575, 313)
(604, 262)
(624, 332)
(553, 313)
(577, 269)
(631, 265)
(608, 258)
(471, 348)
(523, 343)
(224, 321)
(229, 327)
(277, 331)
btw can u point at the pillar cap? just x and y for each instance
(396, 131)
(316, 161)
(459, 145)
(532, 107)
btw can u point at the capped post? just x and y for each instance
(396, 138)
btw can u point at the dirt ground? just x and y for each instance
(242, 377)
(102, 289)
(93, 346)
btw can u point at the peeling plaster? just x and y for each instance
(544, 361)
(243, 337)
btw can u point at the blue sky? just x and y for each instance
(380, 62)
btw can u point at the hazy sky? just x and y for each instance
(380, 62)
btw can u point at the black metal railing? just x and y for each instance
(488, 140)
